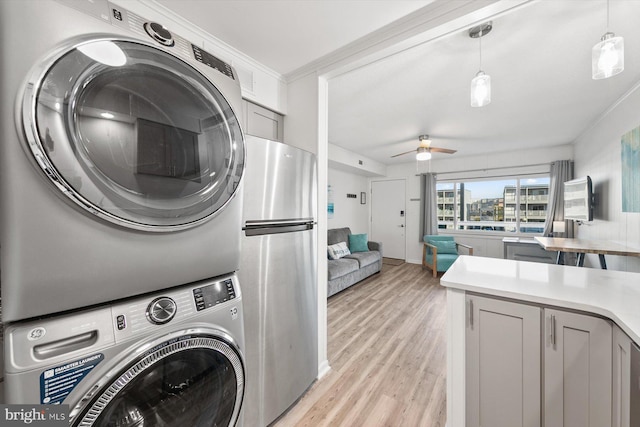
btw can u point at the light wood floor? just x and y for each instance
(387, 349)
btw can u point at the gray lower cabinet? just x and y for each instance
(634, 386)
(528, 366)
(503, 363)
(577, 370)
(621, 374)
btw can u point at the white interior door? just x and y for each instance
(388, 213)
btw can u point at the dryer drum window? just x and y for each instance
(195, 381)
(134, 134)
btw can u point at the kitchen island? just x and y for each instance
(511, 323)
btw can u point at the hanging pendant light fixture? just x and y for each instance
(607, 56)
(481, 83)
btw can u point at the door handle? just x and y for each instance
(65, 345)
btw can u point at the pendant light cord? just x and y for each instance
(480, 40)
(607, 16)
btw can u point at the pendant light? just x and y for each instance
(481, 83)
(607, 56)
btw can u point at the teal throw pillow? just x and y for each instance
(445, 246)
(358, 243)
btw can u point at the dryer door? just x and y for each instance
(193, 380)
(133, 134)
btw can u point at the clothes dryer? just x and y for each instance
(166, 359)
(121, 157)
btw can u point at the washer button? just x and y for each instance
(159, 33)
(121, 322)
(161, 310)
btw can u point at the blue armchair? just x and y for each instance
(439, 252)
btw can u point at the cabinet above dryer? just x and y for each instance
(261, 122)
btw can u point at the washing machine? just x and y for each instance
(173, 358)
(121, 157)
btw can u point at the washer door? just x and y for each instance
(134, 135)
(195, 380)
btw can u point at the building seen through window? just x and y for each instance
(506, 205)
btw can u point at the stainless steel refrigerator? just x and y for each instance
(278, 277)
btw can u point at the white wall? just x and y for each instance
(346, 160)
(306, 127)
(598, 154)
(349, 212)
(520, 161)
(301, 124)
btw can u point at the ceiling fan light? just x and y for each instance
(480, 90)
(423, 154)
(607, 57)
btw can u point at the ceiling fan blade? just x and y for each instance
(402, 154)
(442, 150)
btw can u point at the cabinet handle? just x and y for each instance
(471, 313)
(552, 335)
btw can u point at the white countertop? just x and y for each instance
(609, 293)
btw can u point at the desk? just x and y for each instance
(582, 247)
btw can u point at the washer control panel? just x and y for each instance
(213, 294)
(171, 306)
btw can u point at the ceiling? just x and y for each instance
(538, 56)
(286, 34)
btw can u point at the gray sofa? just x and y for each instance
(351, 269)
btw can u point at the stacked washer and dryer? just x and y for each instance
(120, 215)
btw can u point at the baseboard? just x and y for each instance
(323, 368)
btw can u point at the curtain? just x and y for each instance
(428, 205)
(561, 171)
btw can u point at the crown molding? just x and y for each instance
(437, 19)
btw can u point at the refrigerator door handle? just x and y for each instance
(277, 222)
(276, 228)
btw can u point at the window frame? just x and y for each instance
(519, 224)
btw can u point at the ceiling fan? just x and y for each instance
(424, 150)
